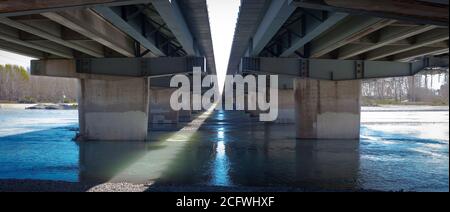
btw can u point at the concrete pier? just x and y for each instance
(160, 109)
(185, 115)
(112, 110)
(327, 109)
(286, 107)
(252, 99)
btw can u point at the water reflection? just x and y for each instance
(136, 162)
(221, 165)
(241, 154)
(101, 161)
(331, 164)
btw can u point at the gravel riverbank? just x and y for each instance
(59, 186)
(39, 106)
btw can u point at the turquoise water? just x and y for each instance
(37, 144)
(400, 148)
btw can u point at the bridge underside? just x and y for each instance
(123, 53)
(321, 50)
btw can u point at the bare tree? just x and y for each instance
(418, 88)
(17, 85)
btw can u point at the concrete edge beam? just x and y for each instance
(125, 67)
(338, 70)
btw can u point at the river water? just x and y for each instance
(401, 148)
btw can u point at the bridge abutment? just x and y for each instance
(112, 110)
(327, 109)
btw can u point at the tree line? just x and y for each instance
(17, 85)
(426, 87)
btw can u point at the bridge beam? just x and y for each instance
(349, 31)
(420, 52)
(276, 16)
(10, 47)
(314, 28)
(427, 39)
(12, 36)
(170, 12)
(19, 8)
(127, 67)
(407, 10)
(132, 27)
(41, 32)
(338, 70)
(387, 36)
(95, 27)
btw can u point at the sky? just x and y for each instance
(223, 15)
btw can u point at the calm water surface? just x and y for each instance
(400, 148)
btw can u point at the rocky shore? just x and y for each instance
(52, 107)
(60, 186)
(40, 106)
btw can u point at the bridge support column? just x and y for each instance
(286, 107)
(160, 110)
(252, 99)
(197, 101)
(186, 115)
(113, 109)
(327, 109)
